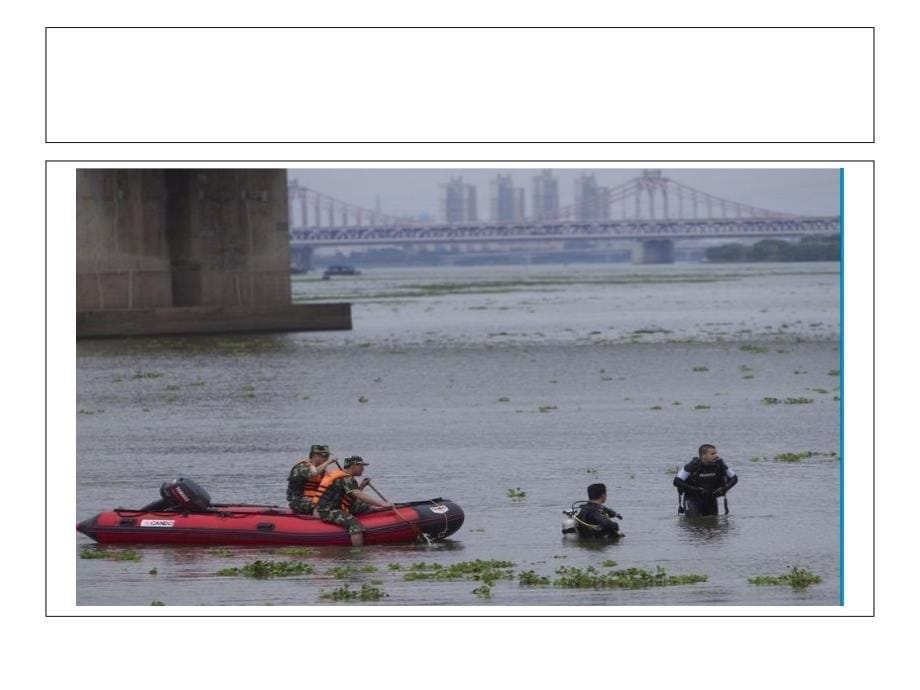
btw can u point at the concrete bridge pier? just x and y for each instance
(655, 252)
(188, 251)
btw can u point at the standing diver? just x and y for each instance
(593, 520)
(702, 481)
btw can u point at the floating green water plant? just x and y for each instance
(797, 457)
(700, 368)
(220, 551)
(547, 408)
(630, 578)
(295, 551)
(516, 494)
(157, 602)
(126, 555)
(793, 457)
(484, 591)
(758, 349)
(262, 570)
(484, 571)
(342, 571)
(771, 401)
(344, 593)
(650, 331)
(798, 401)
(530, 579)
(797, 578)
(701, 407)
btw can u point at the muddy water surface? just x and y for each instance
(468, 382)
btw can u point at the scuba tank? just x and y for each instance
(568, 525)
(569, 528)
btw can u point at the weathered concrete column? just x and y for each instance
(152, 243)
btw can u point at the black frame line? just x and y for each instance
(371, 28)
(483, 615)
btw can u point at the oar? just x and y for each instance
(418, 532)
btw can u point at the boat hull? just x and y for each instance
(242, 525)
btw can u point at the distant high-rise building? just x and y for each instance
(506, 203)
(545, 197)
(590, 199)
(457, 202)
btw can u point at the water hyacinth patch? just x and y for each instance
(484, 571)
(344, 593)
(530, 579)
(797, 578)
(126, 555)
(262, 570)
(630, 578)
(516, 494)
(220, 551)
(295, 551)
(484, 591)
(341, 571)
(798, 457)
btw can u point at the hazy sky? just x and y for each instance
(410, 191)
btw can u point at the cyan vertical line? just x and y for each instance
(842, 395)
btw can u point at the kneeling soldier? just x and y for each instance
(340, 498)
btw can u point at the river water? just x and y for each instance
(466, 382)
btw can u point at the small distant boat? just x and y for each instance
(340, 271)
(185, 515)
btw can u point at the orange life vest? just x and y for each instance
(324, 485)
(311, 487)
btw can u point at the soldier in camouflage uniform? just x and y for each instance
(304, 471)
(344, 498)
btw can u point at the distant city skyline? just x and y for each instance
(415, 191)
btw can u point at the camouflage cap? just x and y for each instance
(319, 448)
(353, 460)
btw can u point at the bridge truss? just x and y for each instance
(647, 207)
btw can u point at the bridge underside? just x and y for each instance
(187, 251)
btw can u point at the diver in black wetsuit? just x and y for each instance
(702, 481)
(593, 520)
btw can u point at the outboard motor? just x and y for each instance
(181, 494)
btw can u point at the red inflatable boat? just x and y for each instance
(186, 516)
